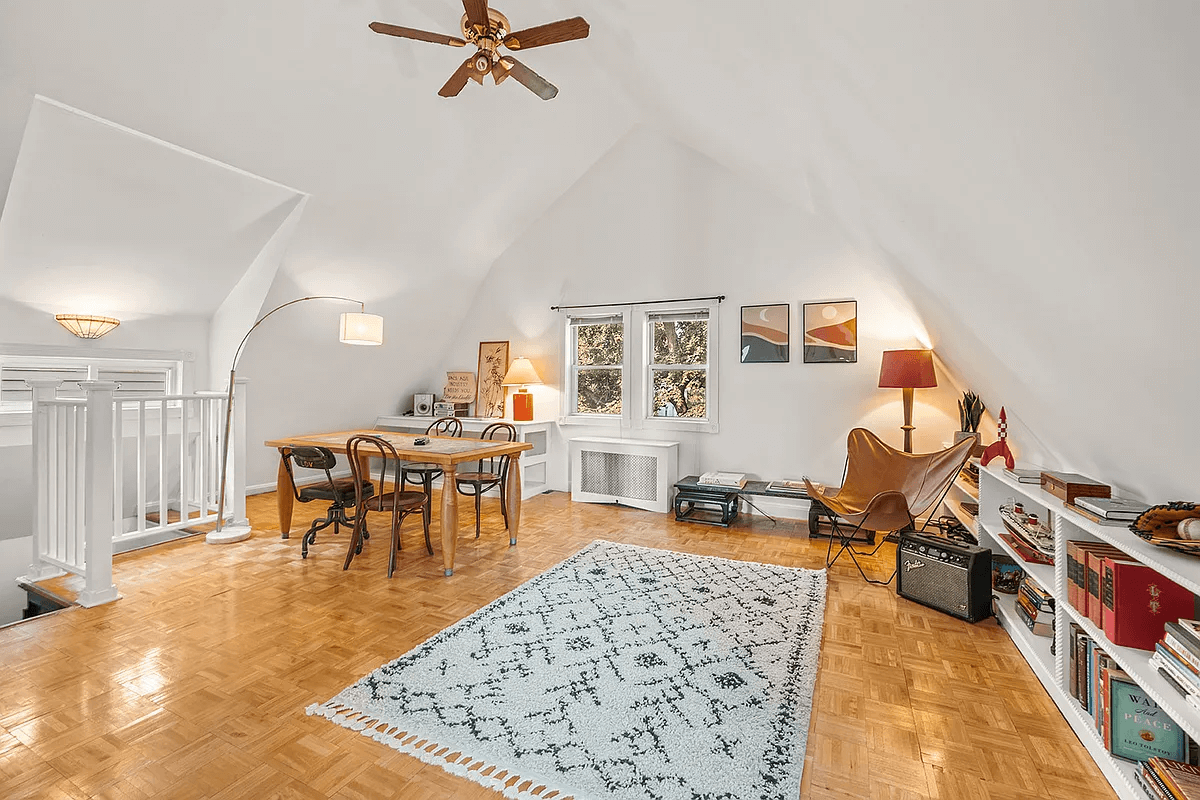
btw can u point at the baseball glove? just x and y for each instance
(1162, 521)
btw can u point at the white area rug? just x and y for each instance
(623, 672)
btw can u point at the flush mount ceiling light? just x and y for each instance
(87, 326)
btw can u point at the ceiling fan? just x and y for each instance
(488, 30)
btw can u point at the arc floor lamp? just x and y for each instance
(356, 328)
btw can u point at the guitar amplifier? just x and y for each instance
(949, 576)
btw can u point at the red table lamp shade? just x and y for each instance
(907, 369)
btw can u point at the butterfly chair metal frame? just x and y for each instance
(886, 490)
(360, 448)
(341, 492)
(424, 473)
(496, 473)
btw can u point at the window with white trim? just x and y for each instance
(678, 363)
(643, 366)
(596, 351)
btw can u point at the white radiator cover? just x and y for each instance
(633, 472)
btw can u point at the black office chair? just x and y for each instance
(340, 492)
(360, 448)
(423, 472)
(491, 472)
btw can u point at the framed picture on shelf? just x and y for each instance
(831, 332)
(765, 333)
(493, 364)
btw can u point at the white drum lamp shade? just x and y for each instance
(359, 328)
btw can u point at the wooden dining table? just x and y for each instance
(447, 452)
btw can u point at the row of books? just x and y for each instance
(1126, 599)
(1131, 724)
(1035, 607)
(1164, 779)
(1177, 658)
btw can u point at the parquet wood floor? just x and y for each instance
(194, 684)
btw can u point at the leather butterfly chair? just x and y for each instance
(886, 490)
(490, 472)
(340, 492)
(423, 472)
(359, 448)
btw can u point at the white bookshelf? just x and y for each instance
(995, 487)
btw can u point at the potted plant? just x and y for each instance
(970, 412)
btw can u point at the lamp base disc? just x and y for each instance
(228, 535)
(522, 407)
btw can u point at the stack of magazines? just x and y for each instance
(1177, 658)
(794, 488)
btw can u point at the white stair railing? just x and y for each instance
(111, 470)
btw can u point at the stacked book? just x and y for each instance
(1109, 510)
(1035, 607)
(734, 480)
(970, 473)
(1031, 476)
(1130, 723)
(1177, 658)
(794, 488)
(1164, 779)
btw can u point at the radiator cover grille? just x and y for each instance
(619, 474)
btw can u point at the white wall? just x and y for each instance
(655, 220)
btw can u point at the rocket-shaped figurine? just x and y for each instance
(1000, 446)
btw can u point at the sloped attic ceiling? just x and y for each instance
(1024, 170)
(99, 219)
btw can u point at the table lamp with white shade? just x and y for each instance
(521, 373)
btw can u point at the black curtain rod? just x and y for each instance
(718, 298)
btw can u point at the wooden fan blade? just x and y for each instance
(477, 12)
(529, 79)
(459, 79)
(413, 33)
(551, 33)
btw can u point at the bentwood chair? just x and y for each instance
(886, 490)
(490, 472)
(359, 449)
(424, 473)
(340, 492)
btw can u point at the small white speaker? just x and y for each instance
(422, 405)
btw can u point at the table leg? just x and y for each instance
(513, 490)
(284, 494)
(449, 518)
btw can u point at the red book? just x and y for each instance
(1077, 581)
(1138, 603)
(1093, 560)
(1075, 575)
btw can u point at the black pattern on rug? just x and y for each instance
(623, 672)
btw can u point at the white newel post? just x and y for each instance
(238, 528)
(99, 494)
(43, 389)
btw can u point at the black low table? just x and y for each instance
(713, 504)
